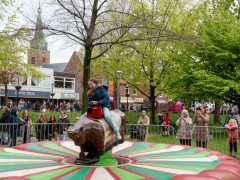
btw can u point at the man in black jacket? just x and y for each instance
(4, 120)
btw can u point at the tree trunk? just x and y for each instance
(88, 55)
(217, 114)
(86, 77)
(152, 104)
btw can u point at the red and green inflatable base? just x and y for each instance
(132, 160)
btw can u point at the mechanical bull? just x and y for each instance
(95, 136)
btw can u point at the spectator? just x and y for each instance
(52, 125)
(48, 106)
(160, 121)
(166, 123)
(37, 107)
(64, 107)
(201, 119)
(76, 106)
(63, 125)
(232, 128)
(41, 128)
(184, 130)
(4, 120)
(143, 122)
(68, 106)
(28, 106)
(52, 106)
(61, 105)
(14, 129)
(27, 129)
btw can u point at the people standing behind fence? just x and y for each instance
(41, 128)
(166, 123)
(160, 121)
(232, 128)
(201, 134)
(185, 127)
(5, 119)
(52, 127)
(143, 122)
(27, 128)
(63, 125)
(14, 129)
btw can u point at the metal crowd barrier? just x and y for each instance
(155, 133)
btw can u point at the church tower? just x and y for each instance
(39, 55)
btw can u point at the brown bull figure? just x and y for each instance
(95, 136)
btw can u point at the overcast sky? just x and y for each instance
(56, 53)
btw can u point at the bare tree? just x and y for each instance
(87, 23)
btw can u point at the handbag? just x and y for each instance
(95, 112)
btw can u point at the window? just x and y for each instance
(134, 91)
(58, 82)
(23, 81)
(46, 81)
(33, 60)
(35, 82)
(67, 83)
(44, 60)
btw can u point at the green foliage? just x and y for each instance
(12, 50)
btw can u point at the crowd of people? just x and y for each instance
(46, 105)
(20, 130)
(200, 132)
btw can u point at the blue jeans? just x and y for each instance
(108, 118)
(4, 137)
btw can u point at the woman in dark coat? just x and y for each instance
(4, 120)
(42, 130)
(15, 129)
(52, 128)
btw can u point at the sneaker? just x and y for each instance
(119, 137)
(235, 154)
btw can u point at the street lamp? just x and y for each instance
(119, 75)
(127, 95)
(18, 88)
(52, 93)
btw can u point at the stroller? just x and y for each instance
(135, 132)
(173, 128)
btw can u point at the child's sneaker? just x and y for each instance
(230, 154)
(119, 137)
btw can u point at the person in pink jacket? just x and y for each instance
(232, 128)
